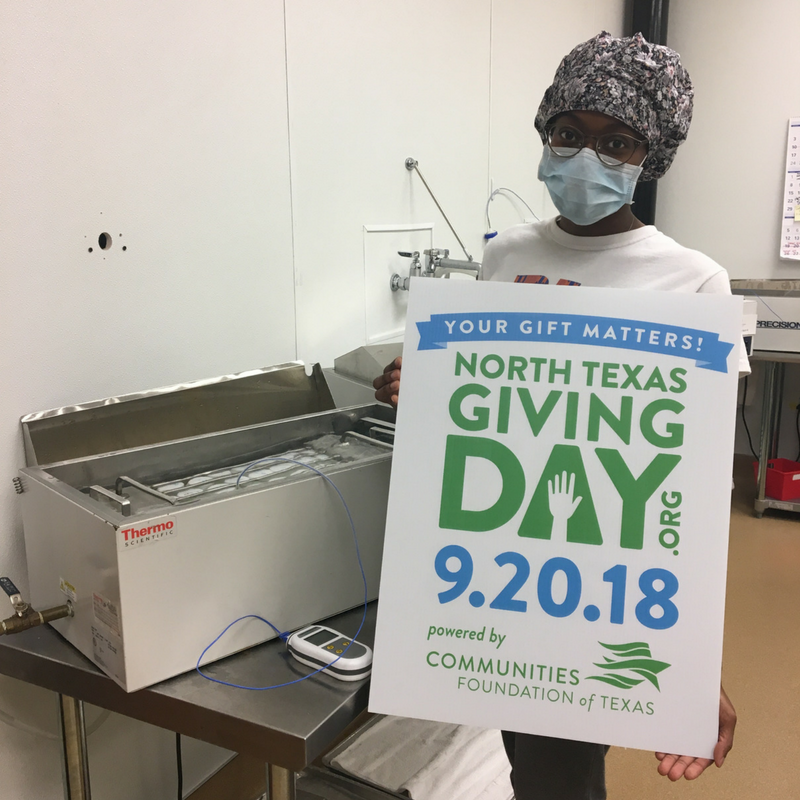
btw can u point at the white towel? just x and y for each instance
(429, 760)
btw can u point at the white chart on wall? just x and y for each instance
(790, 229)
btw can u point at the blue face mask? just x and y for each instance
(583, 189)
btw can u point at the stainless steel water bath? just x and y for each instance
(157, 548)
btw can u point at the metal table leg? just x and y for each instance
(75, 757)
(281, 783)
(772, 403)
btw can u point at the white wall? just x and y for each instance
(240, 149)
(724, 193)
(371, 84)
(454, 85)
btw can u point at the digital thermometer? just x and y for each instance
(317, 646)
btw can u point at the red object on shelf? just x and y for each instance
(783, 478)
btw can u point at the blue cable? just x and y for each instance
(285, 635)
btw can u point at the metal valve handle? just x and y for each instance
(398, 282)
(26, 617)
(14, 595)
(8, 587)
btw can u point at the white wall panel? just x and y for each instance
(369, 85)
(528, 42)
(723, 194)
(163, 121)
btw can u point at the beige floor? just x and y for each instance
(761, 669)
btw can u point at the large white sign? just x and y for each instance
(557, 531)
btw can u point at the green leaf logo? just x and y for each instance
(634, 657)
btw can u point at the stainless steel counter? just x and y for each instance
(287, 728)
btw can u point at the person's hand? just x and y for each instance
(387, 386)
(677, 767)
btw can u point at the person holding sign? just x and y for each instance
(615, 114)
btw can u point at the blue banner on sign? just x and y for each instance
(704, 347)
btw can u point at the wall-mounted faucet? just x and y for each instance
(437, 264)
(398, 282)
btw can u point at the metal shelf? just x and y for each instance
(775, 367)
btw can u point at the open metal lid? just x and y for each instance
(174, 412)
(367, 362)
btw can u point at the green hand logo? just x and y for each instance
(633, 656)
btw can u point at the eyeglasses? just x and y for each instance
(613, 149)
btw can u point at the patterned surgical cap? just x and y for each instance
(638, 83)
